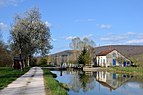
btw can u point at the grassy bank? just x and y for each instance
(7, 75)
(53, 87)
(129, 70)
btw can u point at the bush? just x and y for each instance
(43, 62)
(5, 56)
(33, 62)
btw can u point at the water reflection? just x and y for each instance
(82, 81)
(100, 82)
(61, 72)
(112, 80)
(85, 80)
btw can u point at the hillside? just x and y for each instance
(62, 53)
(127, 50)
(133, 52)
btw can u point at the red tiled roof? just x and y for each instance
(105, 52)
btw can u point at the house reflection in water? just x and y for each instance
(111, 80)
(86, 81)
(100, 83)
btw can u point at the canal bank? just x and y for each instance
(52, 86)
(127, 70)
(92, 69)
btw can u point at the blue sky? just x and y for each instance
(104, 21)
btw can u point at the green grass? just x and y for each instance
(130, 70)
(53, 85)
(7, 75)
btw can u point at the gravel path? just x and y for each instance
(31, 83)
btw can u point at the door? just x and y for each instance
(124, 63)
(114, 62)
(114, 75)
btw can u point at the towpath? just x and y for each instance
(31, 83)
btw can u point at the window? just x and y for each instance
(114, 55)
(103, 60)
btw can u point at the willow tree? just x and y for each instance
(30, 35)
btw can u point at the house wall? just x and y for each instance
(101, 61)
(115, 55)
(110, 59)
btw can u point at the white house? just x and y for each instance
(111, 57)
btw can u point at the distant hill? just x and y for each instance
(66, 52)
(126, 50)
(133, 52)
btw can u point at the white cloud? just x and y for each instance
(2, 26)
(85, 20)
(131, 33)
(48, 24)
(105, 38)
(120, 37)
(126, 38)
(135, 41)
(10, 2)
(88, 36)
(70, 37)
(113, 38)
(104, 26)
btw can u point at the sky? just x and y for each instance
(106, 22)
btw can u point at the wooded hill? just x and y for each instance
(133, 52)
(126, 50)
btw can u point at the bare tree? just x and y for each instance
(78, 44)
(75, 44)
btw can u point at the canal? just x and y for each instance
(100, 83)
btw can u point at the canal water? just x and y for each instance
(100, 83)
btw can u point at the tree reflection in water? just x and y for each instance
(86, 80)
(81, 81)
(100, 82)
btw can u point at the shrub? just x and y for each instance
(33, 62)
(43, 62)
